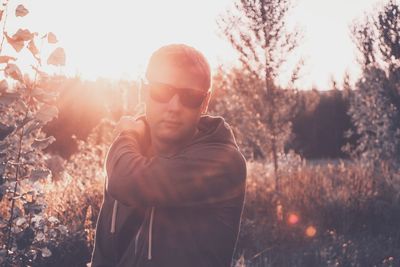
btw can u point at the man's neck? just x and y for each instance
(160, 148)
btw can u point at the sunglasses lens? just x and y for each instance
(163, 93)
(191, 98)
(160, 92)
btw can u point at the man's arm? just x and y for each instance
(201, 174)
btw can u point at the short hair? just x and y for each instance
(181, 56)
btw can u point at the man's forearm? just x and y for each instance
(200, 174)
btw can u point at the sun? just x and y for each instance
(114, 39)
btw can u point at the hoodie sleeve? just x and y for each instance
(204, 173)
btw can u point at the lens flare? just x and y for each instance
(293, 218)
(311, 231)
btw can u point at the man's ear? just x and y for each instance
(206, 101)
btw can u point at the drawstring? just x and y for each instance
(150, 232)
(114, 216)
(113, 219)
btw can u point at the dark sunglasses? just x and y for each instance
(163, 93)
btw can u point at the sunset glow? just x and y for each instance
(114, 39)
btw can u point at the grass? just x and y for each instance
(327, 214)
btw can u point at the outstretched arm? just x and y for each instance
(202, 173)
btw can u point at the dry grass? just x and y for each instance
(327, 214)
(334, 213)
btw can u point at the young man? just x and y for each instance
(175, 177)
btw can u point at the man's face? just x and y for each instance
(173, 122)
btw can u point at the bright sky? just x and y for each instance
(113, 39)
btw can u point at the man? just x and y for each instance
(175, 177)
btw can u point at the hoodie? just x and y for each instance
(182, 210)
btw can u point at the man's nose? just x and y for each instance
(174, 103)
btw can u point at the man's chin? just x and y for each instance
(170, 137)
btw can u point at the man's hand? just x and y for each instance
(128, 123)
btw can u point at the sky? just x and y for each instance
(113, 39)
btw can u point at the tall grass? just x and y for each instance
(328, 213)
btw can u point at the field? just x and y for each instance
(328, 213)
(323, 168)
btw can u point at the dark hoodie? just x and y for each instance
(182, 210)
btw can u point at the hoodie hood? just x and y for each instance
(214, 129)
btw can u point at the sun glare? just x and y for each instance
(114, 39)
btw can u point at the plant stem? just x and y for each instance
(4, 27)
(8, 244)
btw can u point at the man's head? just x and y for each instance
(177, 92)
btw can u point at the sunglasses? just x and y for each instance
(163, 93)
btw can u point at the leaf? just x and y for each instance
(3, 86)
(32, 47)
(17, 212)
(40, 236)
(33, 126)
(21, 11)
(37, 174)
(57, 58)
(13, 71)
(5, 59)
(53, 220)
(8, 98)
(45, 97)
(20, 221)
(23, 35)
(46, 252)
(47, 113)
(17, 41)
(5, 131)
(25, 238)
(31, 208)
(63, 229)
(2, 193)
(38, 222)
(3, 146)
(21, 106)
(2, 167)
(3, 223)
(22, 123)
(51, 38)
(43, 143)
(16, 44)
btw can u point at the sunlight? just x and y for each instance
(327, 47)
(114, 40)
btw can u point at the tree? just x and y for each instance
(257, 31)
(25, 107)
(375, 107)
